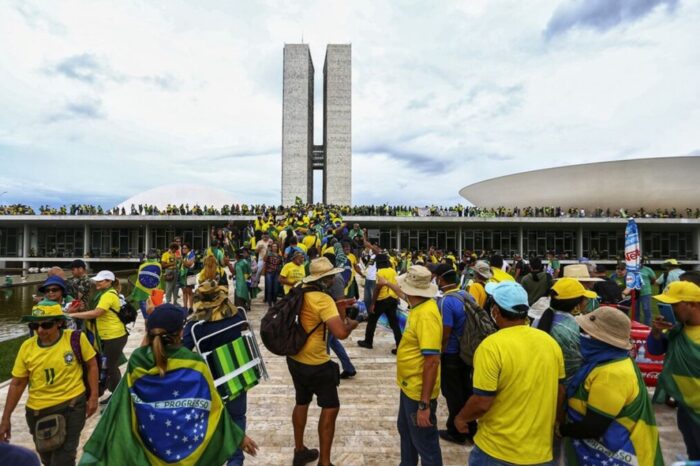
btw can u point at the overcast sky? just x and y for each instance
(102, 100)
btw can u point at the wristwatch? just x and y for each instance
(422, 405)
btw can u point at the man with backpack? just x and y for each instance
(312, 370)
(455, 375)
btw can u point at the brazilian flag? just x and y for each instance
(153, 420)
(147, 280)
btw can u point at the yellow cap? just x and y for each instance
(680, 291)
(570, 288)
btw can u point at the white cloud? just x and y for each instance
(124, 95)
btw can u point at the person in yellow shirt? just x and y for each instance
(170, 262)
(515, 401)
(417, 368)
(482, 273)
(498, 274)
(293, 272)
(48, 364)
(384, 301)
(312, 370)
(110, 333)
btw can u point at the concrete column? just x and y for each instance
(147, 239)
(26, 240)
(459, 242)
(696, 246)
(579, 242)
(520, 240)
(398, 238)
(86, 240)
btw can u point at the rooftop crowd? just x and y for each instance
(359, 210)
(467, 327)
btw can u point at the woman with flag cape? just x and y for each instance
(166, 410)
(610, 417)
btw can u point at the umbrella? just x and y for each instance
(633, 259)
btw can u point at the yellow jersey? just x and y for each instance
(318, 307)
(293, 273)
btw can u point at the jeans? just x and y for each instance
(478, 457)
(112, 350)
(691, 433)
(423, 442)
(385, 306)
(171, 291)
(456, 387)
(369, 291)
(339, 350)
(271, 287)
(75, 421)
(643, 313)
(237, 408)
(258, 272)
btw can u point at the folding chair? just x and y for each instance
(236, 366)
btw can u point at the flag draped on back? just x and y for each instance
(147, 279)
(154, 420)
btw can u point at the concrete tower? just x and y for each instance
(300, 157)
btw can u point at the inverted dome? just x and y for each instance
(177, 194)
(654, 183)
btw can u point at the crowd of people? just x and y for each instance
(357, 210)
(472, 327)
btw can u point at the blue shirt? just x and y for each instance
(453, 315)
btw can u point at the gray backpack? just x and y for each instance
(477, 326)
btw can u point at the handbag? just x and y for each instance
(50, 433)
(169, 275)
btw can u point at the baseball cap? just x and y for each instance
(570, 288)
(681, 291)
(103, 275)
(510, 296)
(78, 263)
(441, 270)
(169, 317)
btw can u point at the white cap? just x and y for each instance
(103, 275)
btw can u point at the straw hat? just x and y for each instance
(608, 325)
(580, 273)
(320, 268)
(418, 282)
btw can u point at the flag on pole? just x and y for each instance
(633, 256)
(154, 420)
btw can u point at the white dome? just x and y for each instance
(180, 194)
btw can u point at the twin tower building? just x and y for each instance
(300, 156)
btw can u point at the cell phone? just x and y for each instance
(666, 310)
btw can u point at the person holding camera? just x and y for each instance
(58, 402)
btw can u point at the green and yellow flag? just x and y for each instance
(153, 420)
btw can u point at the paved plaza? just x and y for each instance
(366, 430)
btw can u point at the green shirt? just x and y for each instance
(648, 277)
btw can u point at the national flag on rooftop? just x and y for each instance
(633, 256)
(153, 420)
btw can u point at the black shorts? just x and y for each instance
(321, 380)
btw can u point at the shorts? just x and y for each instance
(321, 380)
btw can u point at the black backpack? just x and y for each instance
(280, 329)
(477, 326)
(127, 313)
(99, 358)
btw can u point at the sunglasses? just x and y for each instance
(45, 325)
(52, 290)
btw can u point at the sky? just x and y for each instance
(101, 100)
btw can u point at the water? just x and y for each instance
(17, 301)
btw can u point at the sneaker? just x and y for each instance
(364, 344)
(347, 375)
(447, 436)
(305, 456)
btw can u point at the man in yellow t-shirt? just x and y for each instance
(292, 272)
(482, 273)
(417, 364)
(46, 362)
(515, 400)
(312, 370)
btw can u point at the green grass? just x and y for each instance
(8, 352)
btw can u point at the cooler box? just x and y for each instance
(648, 364)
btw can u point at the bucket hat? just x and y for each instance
(45, 310)
(483, 269)
(418, 281)
(320, 268)
(54, 280)
(580, 273)
(608, 325)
